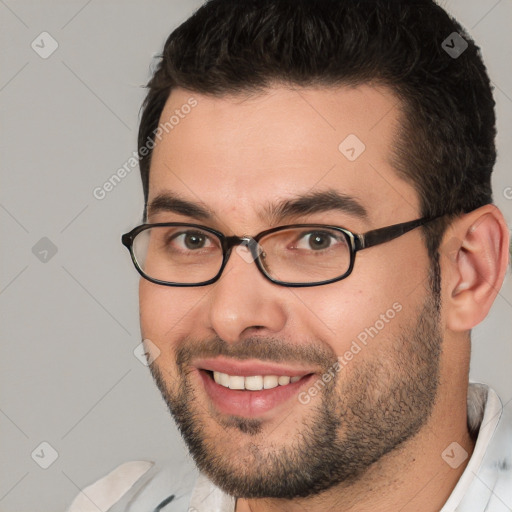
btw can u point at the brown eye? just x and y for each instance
(317, 240)
(194, 240)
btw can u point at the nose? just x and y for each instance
(243, 300)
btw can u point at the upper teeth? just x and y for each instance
(253, 383)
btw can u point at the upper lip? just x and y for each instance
(249, 367)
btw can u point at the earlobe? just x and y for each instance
(477, 267)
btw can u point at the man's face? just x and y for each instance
(366, 347)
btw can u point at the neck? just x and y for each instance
(413, 477)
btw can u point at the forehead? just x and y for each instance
(237, 155)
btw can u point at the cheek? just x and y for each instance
(347, 316)
(157, 314)
(166, 313)
(371, 305)
(150, 304)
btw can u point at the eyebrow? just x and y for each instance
(272, 213)
(169, 202)
(314, 202)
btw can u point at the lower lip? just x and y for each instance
(249, 403)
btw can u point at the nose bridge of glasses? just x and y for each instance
(242, 241)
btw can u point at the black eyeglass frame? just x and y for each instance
(356, 242)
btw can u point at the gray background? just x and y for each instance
(70, 324)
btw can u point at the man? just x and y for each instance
(319, 239)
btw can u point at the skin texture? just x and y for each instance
(372, 438)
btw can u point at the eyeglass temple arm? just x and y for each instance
(381, 235)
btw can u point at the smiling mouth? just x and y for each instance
(248, 396)
(252, 382)
(252, 388)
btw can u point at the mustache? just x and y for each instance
(261, 348)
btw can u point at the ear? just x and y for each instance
(474, 261)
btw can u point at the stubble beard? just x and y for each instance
(353, 423)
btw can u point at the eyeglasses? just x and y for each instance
(298, 255)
